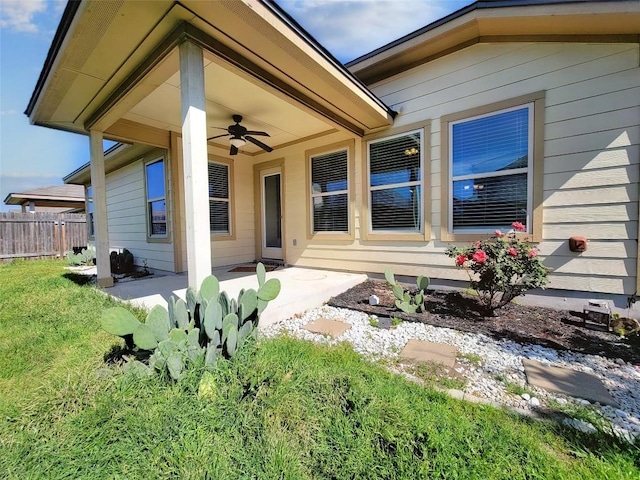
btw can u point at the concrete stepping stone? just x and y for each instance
(568, 382)
(324, 326)
(421, 351)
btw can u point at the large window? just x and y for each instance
(91, 226)
(156, 199)
(330, 192)
(219, 199)
(395, 183)
(490, 170)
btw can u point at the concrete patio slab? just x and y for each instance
(302, 289)
(324, 326)
(421, 351)
(568, 382)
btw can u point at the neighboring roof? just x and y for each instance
(503, 20)
(56, 193)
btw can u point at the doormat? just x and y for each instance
(252, 268)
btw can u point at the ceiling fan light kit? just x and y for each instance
(240, 136)
(238, 142)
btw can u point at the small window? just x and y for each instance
(91, 226)
(219, 199)
(395, 183)
(490, 167)
(156, 199)
(330, 192)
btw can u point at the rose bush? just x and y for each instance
(501, 267)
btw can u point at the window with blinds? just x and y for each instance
(490, 168)
(330, 192)
(219, 199)
(91, 226)
(395, 183)
(156, 199)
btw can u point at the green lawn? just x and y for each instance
(286, 409)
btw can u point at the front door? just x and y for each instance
(271, 200)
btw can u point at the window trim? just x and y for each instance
(230, 178)
(166, 238)
(536, 165)
(425, 153)
(349, 146)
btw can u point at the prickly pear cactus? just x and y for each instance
(208, 326)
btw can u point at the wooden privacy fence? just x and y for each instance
(40, 234)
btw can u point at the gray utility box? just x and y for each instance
(597, 311)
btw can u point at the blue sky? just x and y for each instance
(32, 157)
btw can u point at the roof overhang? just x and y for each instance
(116, 157)
(106, 57)
(504, 21)
(44, 201)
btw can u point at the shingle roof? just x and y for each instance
(67, 192)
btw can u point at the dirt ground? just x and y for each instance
(558, 329)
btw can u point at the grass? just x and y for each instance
(286, 409)
(471, 358)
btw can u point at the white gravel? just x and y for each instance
(501, 364)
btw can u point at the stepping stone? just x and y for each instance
(420, 351)
(568, 382)
(324, 326)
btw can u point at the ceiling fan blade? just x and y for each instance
(233, 150)
(218, 136)
(259, 134)
(219, 128)
(258, 143)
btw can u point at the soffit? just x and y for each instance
(616, 21)
(109, 42)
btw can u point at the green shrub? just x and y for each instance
(503, 267)
(86, 256)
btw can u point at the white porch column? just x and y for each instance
(100, 209)
(194, 154)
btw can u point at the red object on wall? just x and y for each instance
(577, 244)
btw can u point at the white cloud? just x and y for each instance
(18, 15)
(8, 112)
(352, 28)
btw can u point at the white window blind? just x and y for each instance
(329, 192)
(219, 199)
(395, 183)
(490, 167)
(156, 200)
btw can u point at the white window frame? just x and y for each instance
(229, 231)
(420, 183)
(320, 195)
(149, 201)
(516, 171)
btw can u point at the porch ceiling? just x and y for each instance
(117, 61)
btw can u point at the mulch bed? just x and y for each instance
(558, 329)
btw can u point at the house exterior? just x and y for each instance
(68, 198)
(503, 111)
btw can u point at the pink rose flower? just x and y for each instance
(477, 244)
(460, 260)
(533, 252)
(513, 252)
(499, 234)
(480, 256)
(518, 226)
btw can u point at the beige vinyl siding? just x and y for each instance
(126, 203)
(591, 171)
